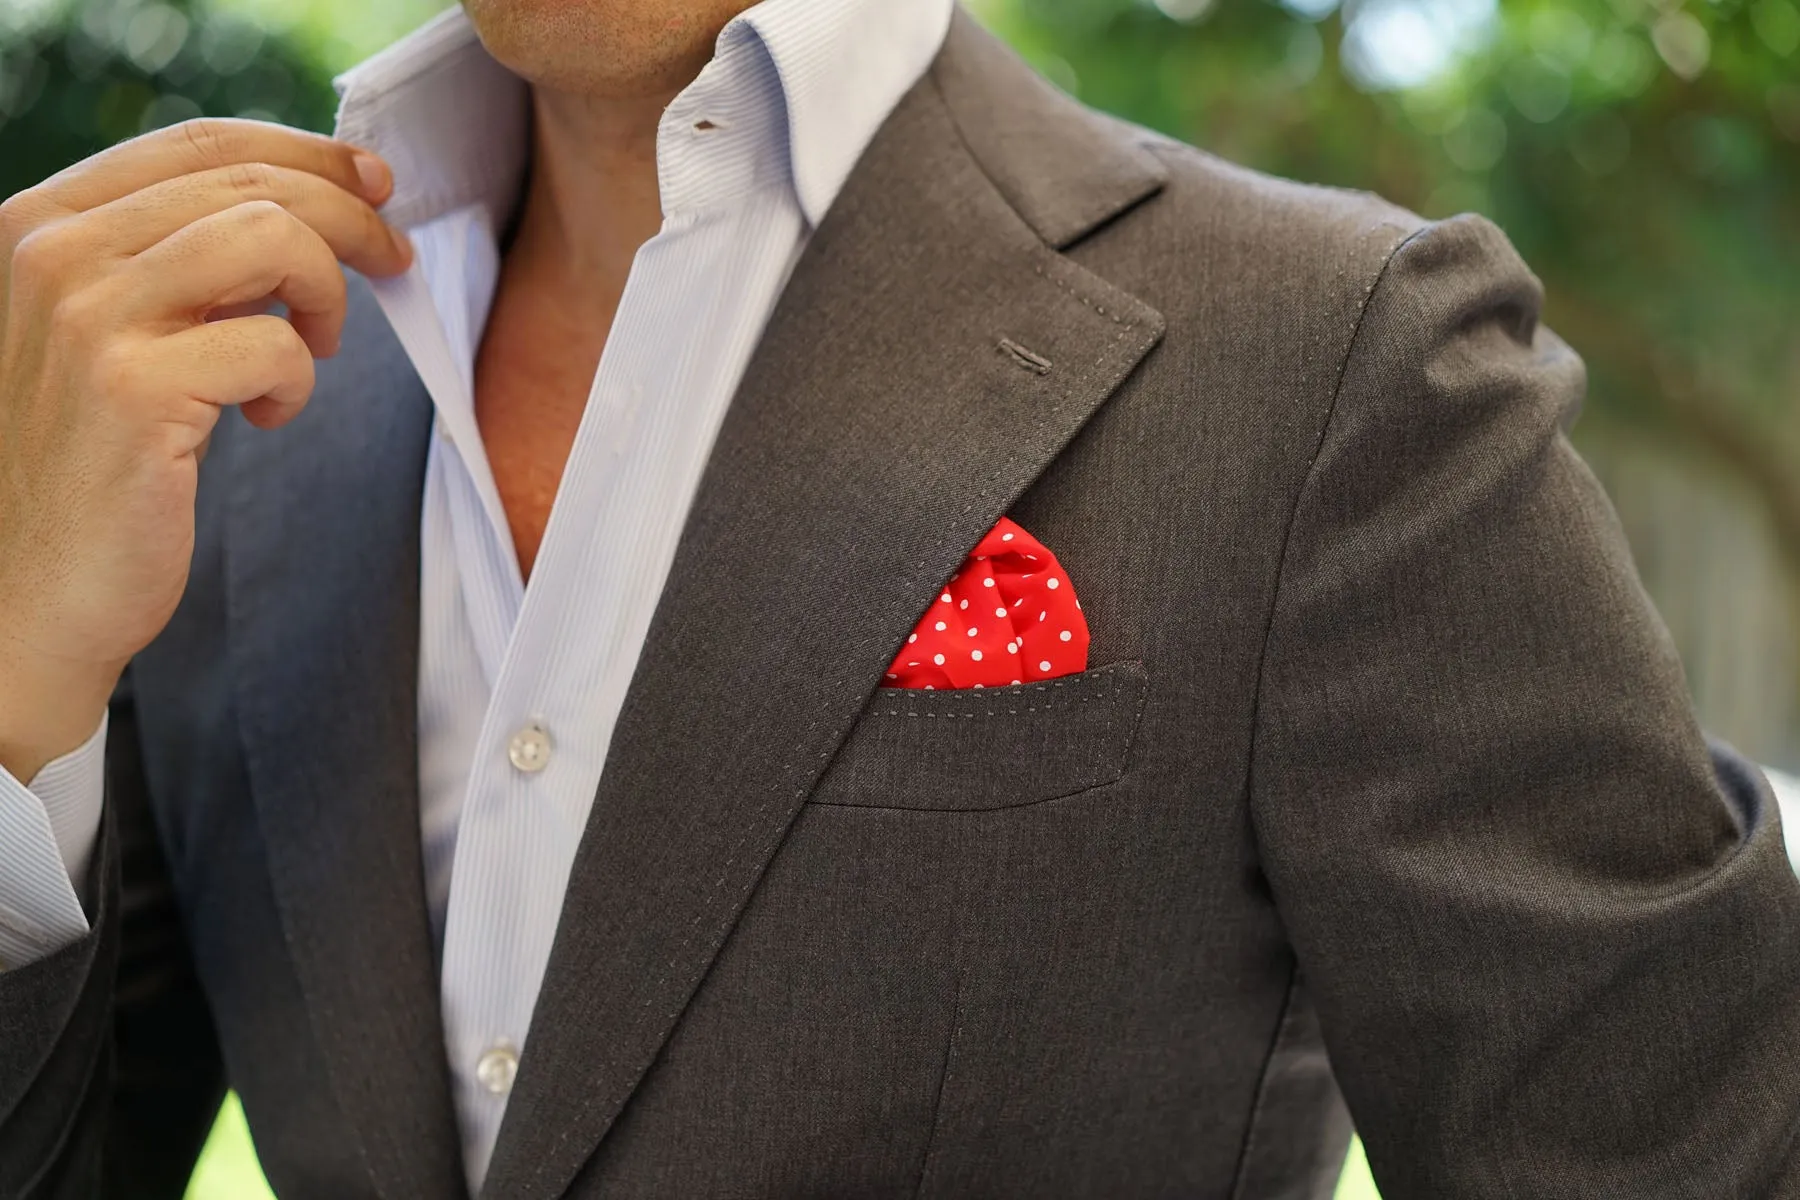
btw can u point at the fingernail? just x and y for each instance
(375, 176)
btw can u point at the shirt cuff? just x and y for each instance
(1787, 793)
(48, 831)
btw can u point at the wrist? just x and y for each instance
(48, 708)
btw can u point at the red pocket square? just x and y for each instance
(1008, 615)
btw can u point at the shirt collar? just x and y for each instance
(454, 123)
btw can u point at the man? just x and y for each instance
(637, 881)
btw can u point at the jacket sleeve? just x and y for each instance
(109, 1069)
(1553, 937)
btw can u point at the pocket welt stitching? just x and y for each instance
(994, 712)
(1092, 725)
(1081, 686)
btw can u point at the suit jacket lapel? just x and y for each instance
(881, 429)
(322, 589)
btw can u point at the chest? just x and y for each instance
(533, 373)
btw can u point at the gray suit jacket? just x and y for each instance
(1383, 741)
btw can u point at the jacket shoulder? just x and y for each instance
(1236, 227)
(1081, 178)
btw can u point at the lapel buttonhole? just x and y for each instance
(1036, 363)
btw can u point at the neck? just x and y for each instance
(593, 198)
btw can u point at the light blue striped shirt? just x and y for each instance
(520, 685)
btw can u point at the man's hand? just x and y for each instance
(132, 295)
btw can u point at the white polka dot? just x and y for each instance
(953, 576)
(981, 558)
(975, 654)
(1044, 666)
(1018, 602)
(973, 631)
(911, 638)
(1032, 557)
(1041, 616)
(891, 675)
(1054, 583)
(976, 685)
(1078, 604)
(941, 626)
(1012, 647)
(944, 599)
(1065, 635)
(999, 612)
(939, 660)
(912, 664)
(1006, 537)
(929, 688)
(1015, 681)
(988, 582)
(964, 604)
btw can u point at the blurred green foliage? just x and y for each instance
(78, 78)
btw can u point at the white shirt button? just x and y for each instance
(496, 1069)
(529, 749)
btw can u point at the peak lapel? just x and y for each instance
(322, 590)
(879, 432)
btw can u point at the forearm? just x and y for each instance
(108, 1064)
(55, 1060)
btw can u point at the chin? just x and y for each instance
(605, 48)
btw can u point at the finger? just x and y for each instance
(207, 144)
(250, 308)
(244, 253)
(349, 225)
(259, 363)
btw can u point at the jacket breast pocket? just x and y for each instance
(978, 749)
